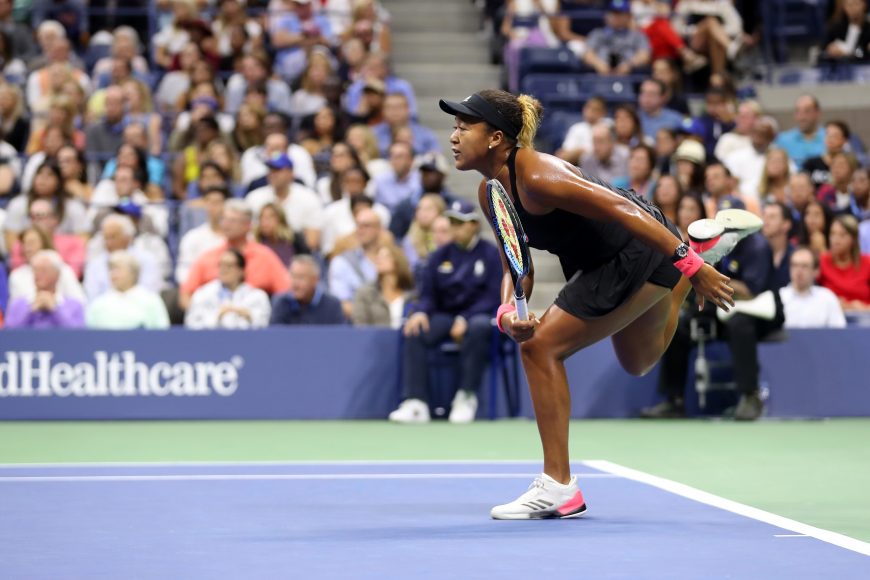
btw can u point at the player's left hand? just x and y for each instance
(713, 286)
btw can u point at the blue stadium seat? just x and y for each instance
(584, 19)
(546, 60)
(786, 21)
(614, 90)
(555, 126)
(556, 90)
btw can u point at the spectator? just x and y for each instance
(308, 302)
(689, 160)
(402, 181)
(47, 309)
(442, 231)
(317, 134)
(714, 29)
(460, 289)
(626, 127)
(844, 269)
(126, 305)
(133, 153)
(376, 69)
(691, 210)
(807, 139)
(231, 13)
(140, 110)
(419, 243)
(253, 161)
(848, 37)
(353, 268)
(775, 177)
(837, 136)
(652, 111)
(126, 46)
(397, 115)
(254, 70)
(738, 137)
(105, 136)
(433, 168)
(747, 165)
(171, 40)
(118, 233)
(275, 233)
(666, 150)
(526, 24)
(20, 35)
(666, 71)
(14, 124)
(667, 195)
(295, 30)
(720, 190)
(653, 18)
(363, 141)
(61, 112)
(801, 192)
(748, 267)
(54, 138)
(191, 70)
(816, 219)
(311, 96)
(607, 160)
(859, 193)
(185, 167)
(641, 171)
(807, 305)
(21, 280)
(74, 170)
(341, 158)
(338, 216)
(835, 194)
(126, 188)
(10, 169)
(777, 227)
(616, 48)
(48, 185)
(70, 247)
(301, 205)
(717, 119)
(263, 269)
(205, 236)
(383, 302)
(227, 301)
(578, 140)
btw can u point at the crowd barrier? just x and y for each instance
(352, 373)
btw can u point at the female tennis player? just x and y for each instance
(627, 267)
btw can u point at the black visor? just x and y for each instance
(477, 107)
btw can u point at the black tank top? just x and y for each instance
(580, 243)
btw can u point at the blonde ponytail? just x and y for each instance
(532, 113)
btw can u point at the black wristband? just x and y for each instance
(681, 252)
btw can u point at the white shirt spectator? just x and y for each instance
(21, 284)
(193, 244)
(96, 277)
(816, 308)
(10, 157)
(254, 168)
(338, 222)
(747, 165)
(144, 243)
(302, 206)
(206, 303)
(731, 142)
(33, 163)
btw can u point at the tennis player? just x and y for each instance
(627, 267)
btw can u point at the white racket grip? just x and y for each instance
(522, 307)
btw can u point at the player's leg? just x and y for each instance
(559, 335)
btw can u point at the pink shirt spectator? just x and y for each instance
(71, 249)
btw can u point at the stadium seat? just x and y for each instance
(787, 21)
(555, 126)
(584, 19)
(546, 60)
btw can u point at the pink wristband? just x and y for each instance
(502, 310)
(690, 265)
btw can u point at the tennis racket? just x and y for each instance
(513, 239)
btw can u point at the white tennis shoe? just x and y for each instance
(411, 411)
(713, 239)
(545, 499)
(464, 407)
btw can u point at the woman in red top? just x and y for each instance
(844, 269)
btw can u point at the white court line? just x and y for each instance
(732, 506)
(791, 536)
(289, 463)
(276, 476)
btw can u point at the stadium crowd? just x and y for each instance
(257, 163)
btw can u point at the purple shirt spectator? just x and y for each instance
(68, 314)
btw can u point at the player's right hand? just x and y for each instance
(519, 330)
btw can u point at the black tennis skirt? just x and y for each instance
(593, 294)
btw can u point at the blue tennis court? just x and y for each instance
(385, 520)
